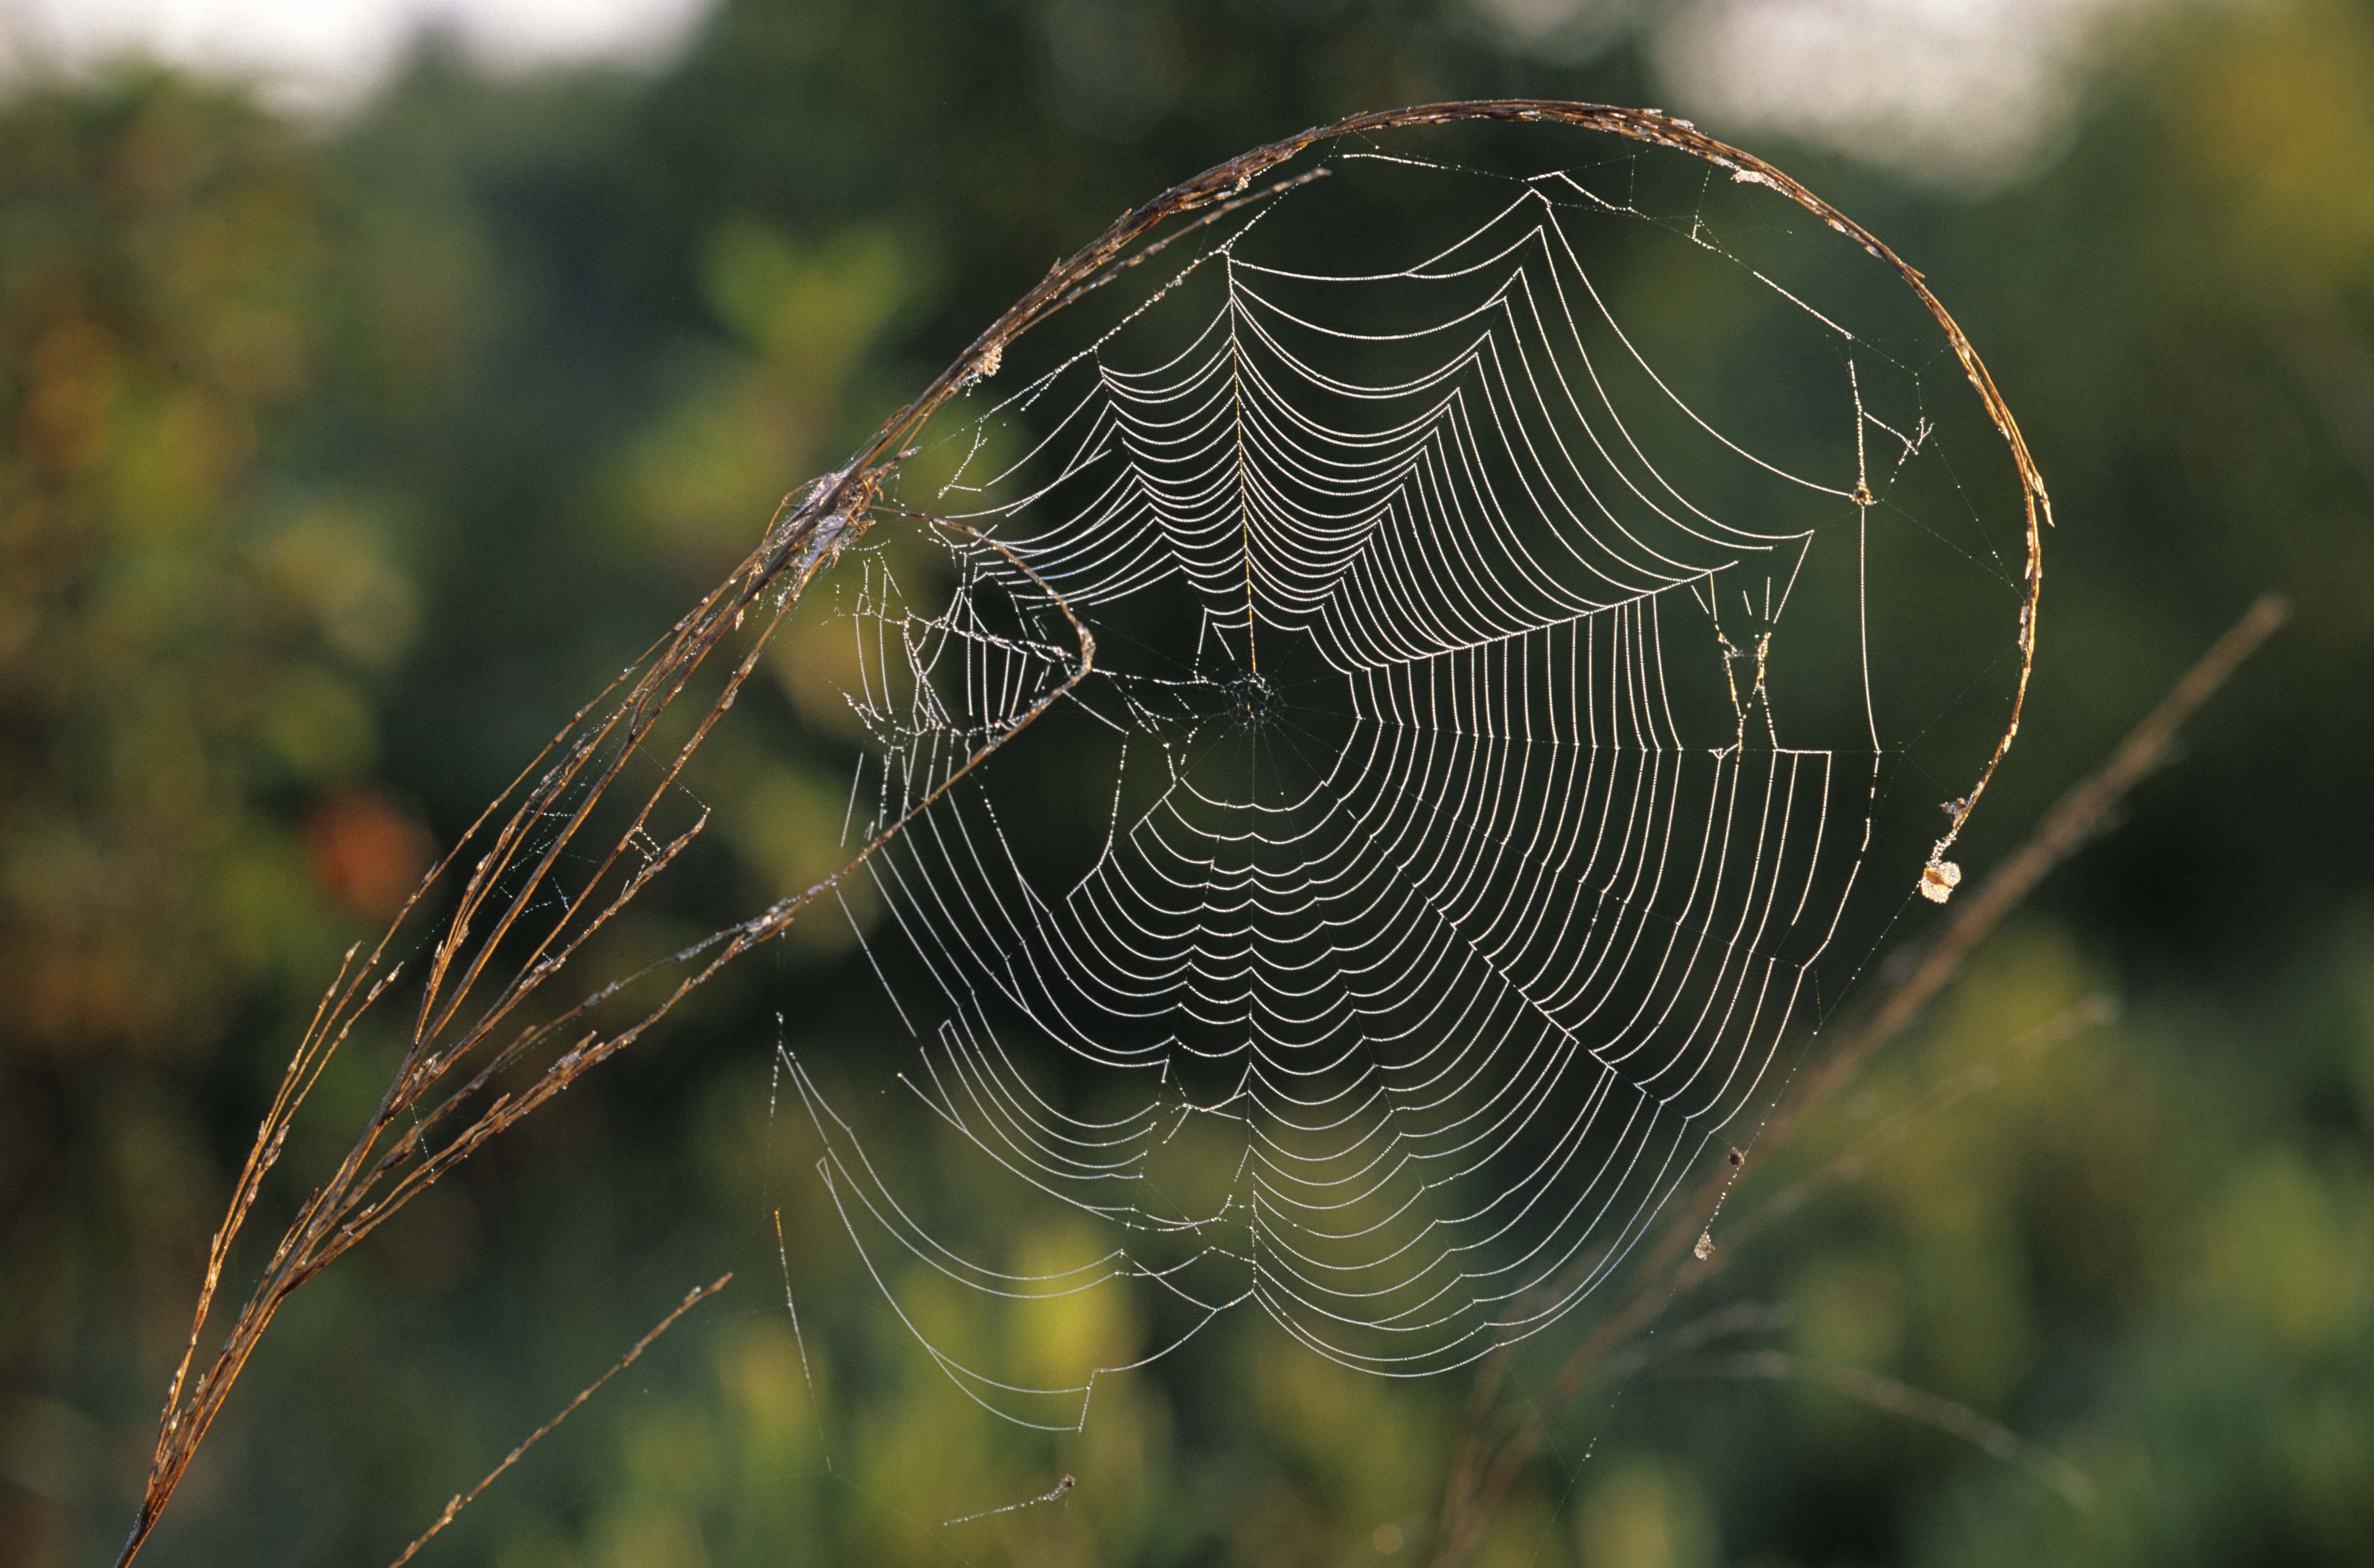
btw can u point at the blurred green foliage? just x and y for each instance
(339, 467)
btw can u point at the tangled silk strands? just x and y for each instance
(1474, 709)
(1480, 752)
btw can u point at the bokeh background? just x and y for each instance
(377, 380)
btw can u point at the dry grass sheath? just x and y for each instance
(597, 819)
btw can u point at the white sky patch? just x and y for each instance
(1555, 30)
(1965, 93)
(325, 54)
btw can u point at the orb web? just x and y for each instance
(1474, 677)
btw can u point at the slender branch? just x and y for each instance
(453, 1508)
(2070, 1022)
(2076, 817)
(1490, 1465)
(1901, 1399)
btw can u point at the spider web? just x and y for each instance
(1478, 756)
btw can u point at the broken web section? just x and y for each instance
(1492, 756)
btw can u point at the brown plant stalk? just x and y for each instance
(462, 1500)
(577, 838)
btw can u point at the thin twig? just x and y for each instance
(2070, 1022)
(1901, 1399)
(1739, 1317)
(2074, 818)
(1488, 1467)
(465, 1500)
